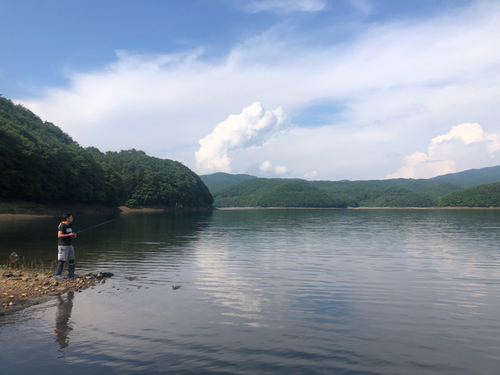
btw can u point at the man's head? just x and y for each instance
(68, 218)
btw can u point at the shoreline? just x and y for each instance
(123, 210)
(358, 208)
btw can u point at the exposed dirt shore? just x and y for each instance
(19, 285)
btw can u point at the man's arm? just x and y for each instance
(61, 235)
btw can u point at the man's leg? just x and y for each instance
(71, 263)
(59, 270)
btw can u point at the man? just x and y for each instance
(65, 249)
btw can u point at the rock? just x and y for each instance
(103, 281)
(89, 277)
(55, 283)
(107, 275)
(11, 303)
(175, 287)
(131, 278)
(24, 295)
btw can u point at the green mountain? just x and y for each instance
(471, 177)
(154, 182)
(486, 195)
(263, 192)
(40, 163)
(373, 194)
(230, 191)
(221, 180)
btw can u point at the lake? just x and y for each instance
(265, 292)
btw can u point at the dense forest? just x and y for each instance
(155, 182)
(42, 164)
(487, 195)
(262, 192)
(219, 180)
(241, 190)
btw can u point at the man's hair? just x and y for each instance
(65, 216)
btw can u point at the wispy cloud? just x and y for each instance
(286, 6)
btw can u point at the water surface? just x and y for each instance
(267, 291)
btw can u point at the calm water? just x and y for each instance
(266, 291)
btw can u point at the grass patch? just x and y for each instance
(31, 265)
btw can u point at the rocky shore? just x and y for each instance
(19, 285)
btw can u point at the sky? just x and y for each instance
(313, 89)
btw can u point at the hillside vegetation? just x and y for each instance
(221, 180)
(262, 192)
(40, 163)
(487, 195)
(154, 182)
(400, 192)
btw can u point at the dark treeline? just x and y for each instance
(487, 195)
(40, 163)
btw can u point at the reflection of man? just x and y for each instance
(65, 249)
(63, 327)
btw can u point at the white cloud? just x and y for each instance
(310, 175)
(253, 127)
(465, 146)
(279, 170)
(401, 83)
(286, 6)
(266, 168)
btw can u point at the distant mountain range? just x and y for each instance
(242, 190)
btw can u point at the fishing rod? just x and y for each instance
(106, 222)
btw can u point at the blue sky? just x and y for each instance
(315, 89)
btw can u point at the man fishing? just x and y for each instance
(65, 249)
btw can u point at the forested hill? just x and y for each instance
(220, 180)
(471, 177)
(487, 195)
(263, 192)
(151, 181)
(40, 163)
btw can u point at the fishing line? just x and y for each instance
(106, 222)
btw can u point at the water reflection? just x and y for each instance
(63, 324)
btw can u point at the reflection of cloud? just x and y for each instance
(250, 128)
(465, 146)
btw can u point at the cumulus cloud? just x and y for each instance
(465, 146)
(249, 129)
(266, 168)
(286, 6)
